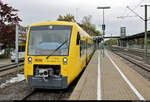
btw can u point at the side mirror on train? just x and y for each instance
(78, 38)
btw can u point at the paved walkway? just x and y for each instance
(112, 84)
(86, 87)
(117, 81)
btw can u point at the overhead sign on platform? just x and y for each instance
(123, 32)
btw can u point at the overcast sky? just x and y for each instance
(33, 11)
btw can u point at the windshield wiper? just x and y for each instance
(57, 49)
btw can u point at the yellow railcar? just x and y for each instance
(56, 52)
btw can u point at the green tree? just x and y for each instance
(8, 19)
(85, 24)
(111, 42)
(148, 42)
(89, 27)
(97, 33)
(68, 17)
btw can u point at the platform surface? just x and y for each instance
(113, 81)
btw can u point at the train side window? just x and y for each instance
(82, 47)
(78, 38)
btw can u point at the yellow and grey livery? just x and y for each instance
(56, 52)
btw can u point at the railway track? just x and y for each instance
(30, 94)
(52, 94)
(49, 94)
(136, 52)
(10, 66)
(45, 94)
(132, 57)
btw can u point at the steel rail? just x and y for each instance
(11, 66)
(133, 60)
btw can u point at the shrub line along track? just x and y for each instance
(131, 58)
(10, 66)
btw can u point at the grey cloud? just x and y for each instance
(33, 11)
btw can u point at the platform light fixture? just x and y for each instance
(103, 7)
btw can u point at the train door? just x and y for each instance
(86, 45)
(78, 42)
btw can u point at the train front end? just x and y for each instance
(47, 56)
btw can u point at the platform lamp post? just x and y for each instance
(145, 20)
(145, 38)
(111, 41)
(103, 25)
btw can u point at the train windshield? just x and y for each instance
(44, 40)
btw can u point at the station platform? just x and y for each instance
(109, 78)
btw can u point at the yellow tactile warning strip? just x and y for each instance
(113, 85)
(86, 88)
(140, 83)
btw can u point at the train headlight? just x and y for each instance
(64, 60)
(29, 60)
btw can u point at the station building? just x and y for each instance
(134, 41)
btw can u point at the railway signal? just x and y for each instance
(103, 25)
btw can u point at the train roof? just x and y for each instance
(53, 23)
(82, 32)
